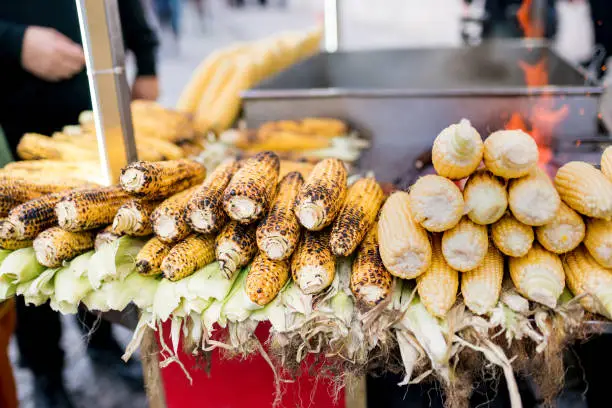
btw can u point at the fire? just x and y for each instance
(531, 29)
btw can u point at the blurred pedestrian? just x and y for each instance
(8, 393)
(169, 12)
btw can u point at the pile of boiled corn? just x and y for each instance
(334, 265)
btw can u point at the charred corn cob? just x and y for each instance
(56, 245)
(437, 287)
(512, 237)
(150, 257)
(585, 277)
(13, 244)
(481, 286)
(12, 196)
(29, 219)
(598, 241)
(465, 246)
(235, 247)
(161, 179)
(251, 190)
(538, 276)
(279, 232)
(322, 195)
(370, 281)
(606, 162)
(485, 198)
(436, 203)
(86, 209)
(205, 207)
(134, 218)
(189, 255)
(289, 166)
(533, 198)
(457, 150)
(404, 245)
(105, 236)
(564, 233)
(33, 146)
(276, 140)
(363, 200)
(265, 279)
(168, 218)
(585, 189)
(313, 266)
(510, 153)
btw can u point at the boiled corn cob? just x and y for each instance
(465, 246)
(481, 286)
(189, 255)
(33, 146)
(457, 150)
(512, 237)
(436, 203)
(606, 162)
(105, 236)
(598, 241)
(564, 233)
(322, 195)
(370, 281)
(150, 257)
(265, 279)
(29, 219)
(235, 247)
(510, 153)
(86, 209)
(533, 198)
(134, 218)
(279, 232)
(585, 189)
(485, 198)
(168, 218)
(251, 190)
(313, 266)
(56, 245)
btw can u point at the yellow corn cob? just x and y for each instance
(55, 245)
(12, 244)
(313, 265)
(190, 148)
(276, 140)
(485, 198)
(79, 172)
(235, 247)
(33, 146)
(436, 203)
(598, 241)
(189, 255)
(404, 245)
(585, 277)
(29, 219)
(457, 150)
(289, 166)
(538, 276)
(153, 120)
(512, 237)
(323, 126)
(322, 195)
(606, 162)
(465, 246)
(134, 218)
(168, 218)
(437, 287)
(510, 153)
(564, 233)
(585, 189)
(370, 281)
(481, 286)
(150, 257)
(105, 236)
(86, 209)
(168, 150)
(279, 232)
(205, 207)
(533, 198)
(265, 279)
(251, 191)
(161, 179)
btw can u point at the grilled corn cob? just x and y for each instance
(538, 276)
(161, 179)
(436, 203)
(251, 191)
(134, 218)
(279, 232)
(465, 246)
(13, 244)
(598, 241)
(189, 255)
(56, 245)
(235, 247)
(168, 218)
(585, 277)
(87, 209)
(150, 257)
(105, 236)
(313, 266)
(33, 146)
(370, 281)
(404, 245)
(358, 214)
(485, 198)
(510, 153)
(323, 126)
(585, 189)
(437, 287)
(276, 140)
(606, 162)
(481, 286)
(564, 233)
(265, 279)
(533, 198)
(29, 219)
(289, 166)
(322, 195)
(205, 208)
(512, 237)
(457, 150)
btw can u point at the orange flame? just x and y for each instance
(531, 29)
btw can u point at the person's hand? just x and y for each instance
(50, 55)
(145, 87)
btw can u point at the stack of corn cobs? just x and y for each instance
(337, 267)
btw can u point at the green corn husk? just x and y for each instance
(237, 306)
(114, 261)
(20, 266)
(39, 290)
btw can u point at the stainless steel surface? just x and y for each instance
(332, 25)
(110, 93)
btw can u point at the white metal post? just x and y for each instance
(332, 25)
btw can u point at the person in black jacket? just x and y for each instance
(45, 87)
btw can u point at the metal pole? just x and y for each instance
(332, 26)
(110, 93)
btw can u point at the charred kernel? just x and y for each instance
(265, 279)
